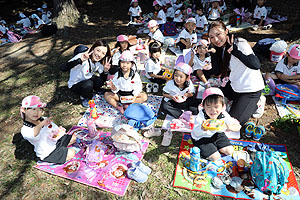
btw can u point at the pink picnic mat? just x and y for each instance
(108, 175)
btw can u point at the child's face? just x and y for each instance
(260, 2)
(156, 7)
(190, 26)
(156, 55)
(213, 110)
(99, 53)
(179, 78)
(33, 114)
(201, 49)
(215, 4)
(125, 66)
(153, 29)
(135, 4)
(292, 60)
(124, 45)
(199, 12)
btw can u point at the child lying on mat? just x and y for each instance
(126, 85)
(49, 141)
(209, 136)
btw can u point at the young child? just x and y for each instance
(37, 22)
(187, 37)
(121, 46)
(126, 84)
(201, 21)
(202, 61)
(153, 69)
(83, 67)
(170, 12)
(43, 15)
(3, 28)
(38, 131)
(48, 12)
(135, 11)
(177, 4)
(155, 34)
(260, 14)
(215, 11)
(178, 18)
(25, 21)
(287, 69)
(179, 93)
(161, 16)
(212, 142)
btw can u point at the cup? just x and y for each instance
(240, 165)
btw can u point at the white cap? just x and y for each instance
(279, 46)
(44, 5)
(21, 15)
(39, 9)
(191, 19)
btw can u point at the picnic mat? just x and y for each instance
(289, 109)
(202, 182)
(111, 115)
(108, 175)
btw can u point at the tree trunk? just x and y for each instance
(66, 13)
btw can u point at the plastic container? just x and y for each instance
(277, 50)
(276, 57)
(91, 128)
(195, 164)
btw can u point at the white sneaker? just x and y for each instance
(167, 138)
(155, 87)
(152, 132)
(254, 27)
(149, 87)
(260, 107)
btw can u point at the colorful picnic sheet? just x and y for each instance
(289, 109)
(201, 181)
(112, 115)
(108, 175)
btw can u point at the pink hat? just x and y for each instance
(212, 91)
(202, 42)
(183, 67)
(294, 51)
(127, 56)
(122, 38)
(157, 2)
(191, 19)
(189, 11)
(33, 102)
(133, 1)
(152, 23)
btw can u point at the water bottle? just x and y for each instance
(91, 128)
(195, 164)
(238, 20)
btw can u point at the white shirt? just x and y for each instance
(184, 34)
(287, 70)
(201, 21)
(171, 89)
(151, 66)
(39, 23)
(135, 12)
(82, 72)
(116, 58)
(25, 22)
(198, 132)
(179, 17)
(42, 143)
(243, 79)
(157, 36)
(127, 85)
(45, 18)
(170, 12)
(202, 64)
(260, 12)
(177, 6)
(214, 15)
(161, 14)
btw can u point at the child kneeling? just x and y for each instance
(212, 142)
(38, 131)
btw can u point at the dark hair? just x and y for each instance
(118, 44)
(101, 43)
(199, 7)
(222, 56)
(214, 99)
(154, 47)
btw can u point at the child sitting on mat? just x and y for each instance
(38, 131)
(126, 85)
(213, 141)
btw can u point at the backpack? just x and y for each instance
(169, 29)
(139, 115)
(95, 152)
(287, 92)
(13, 37)
(269, 171)
(125, 138)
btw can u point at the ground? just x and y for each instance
(32, 67)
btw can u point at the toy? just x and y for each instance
(57, 133)
(93, 109)
(180, 99)
(92, 128)
(213, 124)
(126, 99)
(168, 73)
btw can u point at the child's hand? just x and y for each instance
(212, 50)
(107, 64)
(230, 42)
(46, 122)
(85, 56)
(115, 50)
(233, 127)
(111, 85)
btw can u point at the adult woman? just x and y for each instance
(83, 66)
(235, 57)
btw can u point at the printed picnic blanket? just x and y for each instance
(289, 109)
(108, 175)
(112, 115)
(201, 181)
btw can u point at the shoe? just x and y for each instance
(217, 182)
(250, 126)
(142, 167)
(260, 107)
(167, 138)
(225, 178)
(258, 132)
(149, 87)
(269, 26)
(85, 103)
(137, 175)
(255, 27)
(152, 132)
(236, 183)
(155, 87)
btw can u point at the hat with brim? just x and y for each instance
(33, 102)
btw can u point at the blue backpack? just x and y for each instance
(169, 29)
(269, 171)
(139, 115)
(287, 92)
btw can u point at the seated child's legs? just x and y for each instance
(171, 108)
(207, 147)
(181, 45)
(84, 88)
(141, 98)
(111, 98)
(215, 156)
(71, 154)
(73, 140)
(227, 150)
